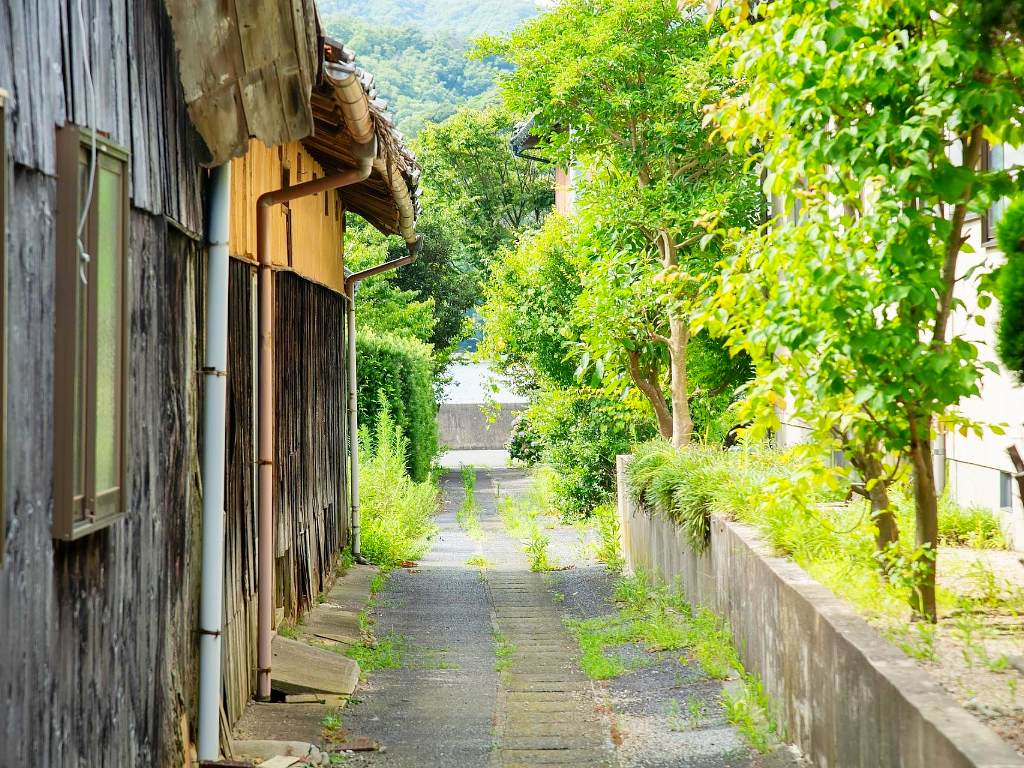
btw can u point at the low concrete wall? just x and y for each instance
(465, 427)
(847, 696)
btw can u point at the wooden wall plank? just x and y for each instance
(30, 70)
(317, 237)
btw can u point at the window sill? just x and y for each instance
(82, 530)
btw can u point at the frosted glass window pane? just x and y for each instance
(108, 329)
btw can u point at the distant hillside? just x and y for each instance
(461, 18)
(423, 76)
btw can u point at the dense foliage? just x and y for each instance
(1010, 342)
(397, 374)
(487, 193)
(423, 75)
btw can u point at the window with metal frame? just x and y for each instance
(90, 364)
(3, 321)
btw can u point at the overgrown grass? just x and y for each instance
(396, 511)
(831, 539)
(661, 620)
(609, 550)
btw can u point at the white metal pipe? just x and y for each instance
(211, 607)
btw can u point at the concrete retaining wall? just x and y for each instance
(847, 696)
(465, 427)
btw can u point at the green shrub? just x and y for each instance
(402, 372)
(395, 510)
(1010, 234)
(579, 438)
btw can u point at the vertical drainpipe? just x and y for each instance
(364, 156)
(939, 461)
(214, 404)
(353, 417)
(352, 281)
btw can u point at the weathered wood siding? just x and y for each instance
(317, 221)
(97, 635)
(241, 524)
(309, 357)
(138, 98)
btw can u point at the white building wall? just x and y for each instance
(975, 466)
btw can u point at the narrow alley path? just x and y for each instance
(488, 674)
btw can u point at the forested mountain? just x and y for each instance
(461, 18)
(424, 76)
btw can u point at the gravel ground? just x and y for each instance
(667, 711)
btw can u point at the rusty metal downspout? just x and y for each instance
(365, 153)
(352, 281)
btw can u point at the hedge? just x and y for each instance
(402, 372)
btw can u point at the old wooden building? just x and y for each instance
(111, 114)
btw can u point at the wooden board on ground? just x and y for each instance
(300, 668)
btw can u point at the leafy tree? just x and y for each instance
(870, 117)
(425, 300)
(438, 275)
(1010, 234)
(471, 174)
(617, 87)
(527, 301)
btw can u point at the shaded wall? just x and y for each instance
(466, 427)
(97, 634)
(310, 363)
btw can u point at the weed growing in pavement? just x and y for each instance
(468, 472)
(290, 630)
(609, 552)
(469, 521)
(331, 721)
(331, 730)
(379, 580)
(480, 561)
(693, 718)
(558, 596)
(536, 548)
(503, 651)
(594, 635)
(748, 711)
(660, 619)
(386, 652)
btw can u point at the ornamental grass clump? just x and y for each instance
(396, 510)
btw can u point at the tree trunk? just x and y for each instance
(682, 422)
(926, 509)
(651, 388)
(882, 515)
(881, 510)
